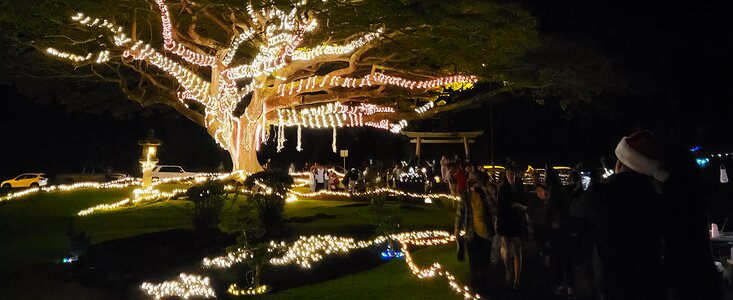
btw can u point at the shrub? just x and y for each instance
(208, 199)
(279, 181)
(79, 242)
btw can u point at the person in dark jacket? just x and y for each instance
(561, 235)
(625, 212)
(473, 217)
(536, 206)
(688, 261)
(509, 224)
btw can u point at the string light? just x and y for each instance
(298, 147)
(281, 35)
(69, 56)
(235, 45)
(378, 191)
(234, 290)
(310, 84)
(333, 143)
(323, 50)
(184, 286)
(175, 47)
(333, 115)
(307, 250)
(396, 128)
(424, 108)
(121, 183)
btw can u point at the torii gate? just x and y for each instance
(418, 138)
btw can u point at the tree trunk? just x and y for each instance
(241, 144)
(246, 160)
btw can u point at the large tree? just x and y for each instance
(243, 70)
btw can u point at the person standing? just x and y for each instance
(396, 172)
(445, 172)
(536, 212)
(688, 261)
(353, 179)
(474, 218)
(461, 178)
(509, 225)
(312, 178)
(320, 174)
(560, 233)
(625, 212)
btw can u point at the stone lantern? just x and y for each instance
(149, 157)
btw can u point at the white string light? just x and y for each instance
(298, 147)
(333, 143)
(307, 250)
(281, 35)
(424, 108)
(184, 286)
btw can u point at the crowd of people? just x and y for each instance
(642, 230)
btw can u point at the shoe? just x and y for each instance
(515, 286)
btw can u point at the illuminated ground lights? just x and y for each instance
(373, 192)
(140, 196)
(185, 286)
(122, 183)
(307, 250)
(236, 291)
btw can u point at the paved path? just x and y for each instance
(536, 281)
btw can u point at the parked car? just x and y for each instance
(26, 180)
(87, 174)
(170, 171)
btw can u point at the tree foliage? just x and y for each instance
(496, 40)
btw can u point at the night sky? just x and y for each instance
(687, 48)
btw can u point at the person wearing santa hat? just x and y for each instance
(625, 212)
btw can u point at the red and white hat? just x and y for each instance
(640, 153)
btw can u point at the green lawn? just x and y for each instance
(35, 228)
(392, 280)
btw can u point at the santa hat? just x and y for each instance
(640, 153)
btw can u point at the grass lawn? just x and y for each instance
(35, 236)
(392, 280)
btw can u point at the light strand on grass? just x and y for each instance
(374, 192)
(437, 270)
(142, 196)
(120, 183)
(236, 291)
(306, 251)
(184, 286)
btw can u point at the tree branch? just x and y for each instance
(218, 21)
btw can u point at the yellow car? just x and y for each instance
(26, 180)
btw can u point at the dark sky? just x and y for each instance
(687, 48)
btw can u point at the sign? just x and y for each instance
(344, 153)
